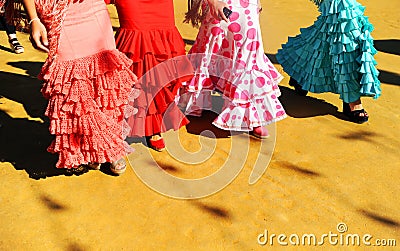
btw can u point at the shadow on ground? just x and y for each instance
(198, 125)
(24, 141)
(391, 46)
(379, 218)
(216, 211)
(387, 77)
(305, 106)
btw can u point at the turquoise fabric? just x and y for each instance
(335, 54)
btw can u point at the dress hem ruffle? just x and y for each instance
(335, 54)
(87, 101)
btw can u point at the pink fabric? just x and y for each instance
(229, 57)
(86, 30)
(87, 82)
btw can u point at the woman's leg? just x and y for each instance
(355, 111)
(12, 36)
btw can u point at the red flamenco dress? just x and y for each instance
(149, 37)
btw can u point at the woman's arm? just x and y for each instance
(216, 9)
(38, 31)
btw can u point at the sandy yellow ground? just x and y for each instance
(324, 170)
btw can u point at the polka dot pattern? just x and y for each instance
(247, 78)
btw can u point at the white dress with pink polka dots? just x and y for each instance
(229, 57)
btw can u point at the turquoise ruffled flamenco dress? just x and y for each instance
(335, 54)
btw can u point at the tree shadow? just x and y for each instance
(391, 46)
(359, 135)
(379, 218)
(387, 77)
(52, 204)
(305, 106)
(212, 210)
(298, 169)
(373, 138)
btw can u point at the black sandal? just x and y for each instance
(16, 46)
(297, 87)
(81, 169)
(355, 116)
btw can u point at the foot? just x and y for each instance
(16, 46)
(77, 170)
(297, 87)
(260, 132)
(157, 143)
(118, 167)
(355, 112)
(94, 166)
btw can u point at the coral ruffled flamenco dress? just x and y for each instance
(87, 83)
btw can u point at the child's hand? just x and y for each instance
(39, 36)
(216, 9)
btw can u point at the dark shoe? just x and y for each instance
(94, 166)
(297, 88)
(16, 46)
(356, 115)
(78, 170)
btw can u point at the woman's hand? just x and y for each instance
(38, 36)
(216, 9)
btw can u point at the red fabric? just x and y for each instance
(148, 36)
(86, 107)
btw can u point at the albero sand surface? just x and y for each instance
(324, 170)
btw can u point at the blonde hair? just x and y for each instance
(196, 12)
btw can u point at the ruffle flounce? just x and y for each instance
(247, 105)
(160, 62)
(163, 43)
(242, 84)
(245, 116)
(158, 56)
(236, 115)
(88, 99)
(335, 54)
(156, 114)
